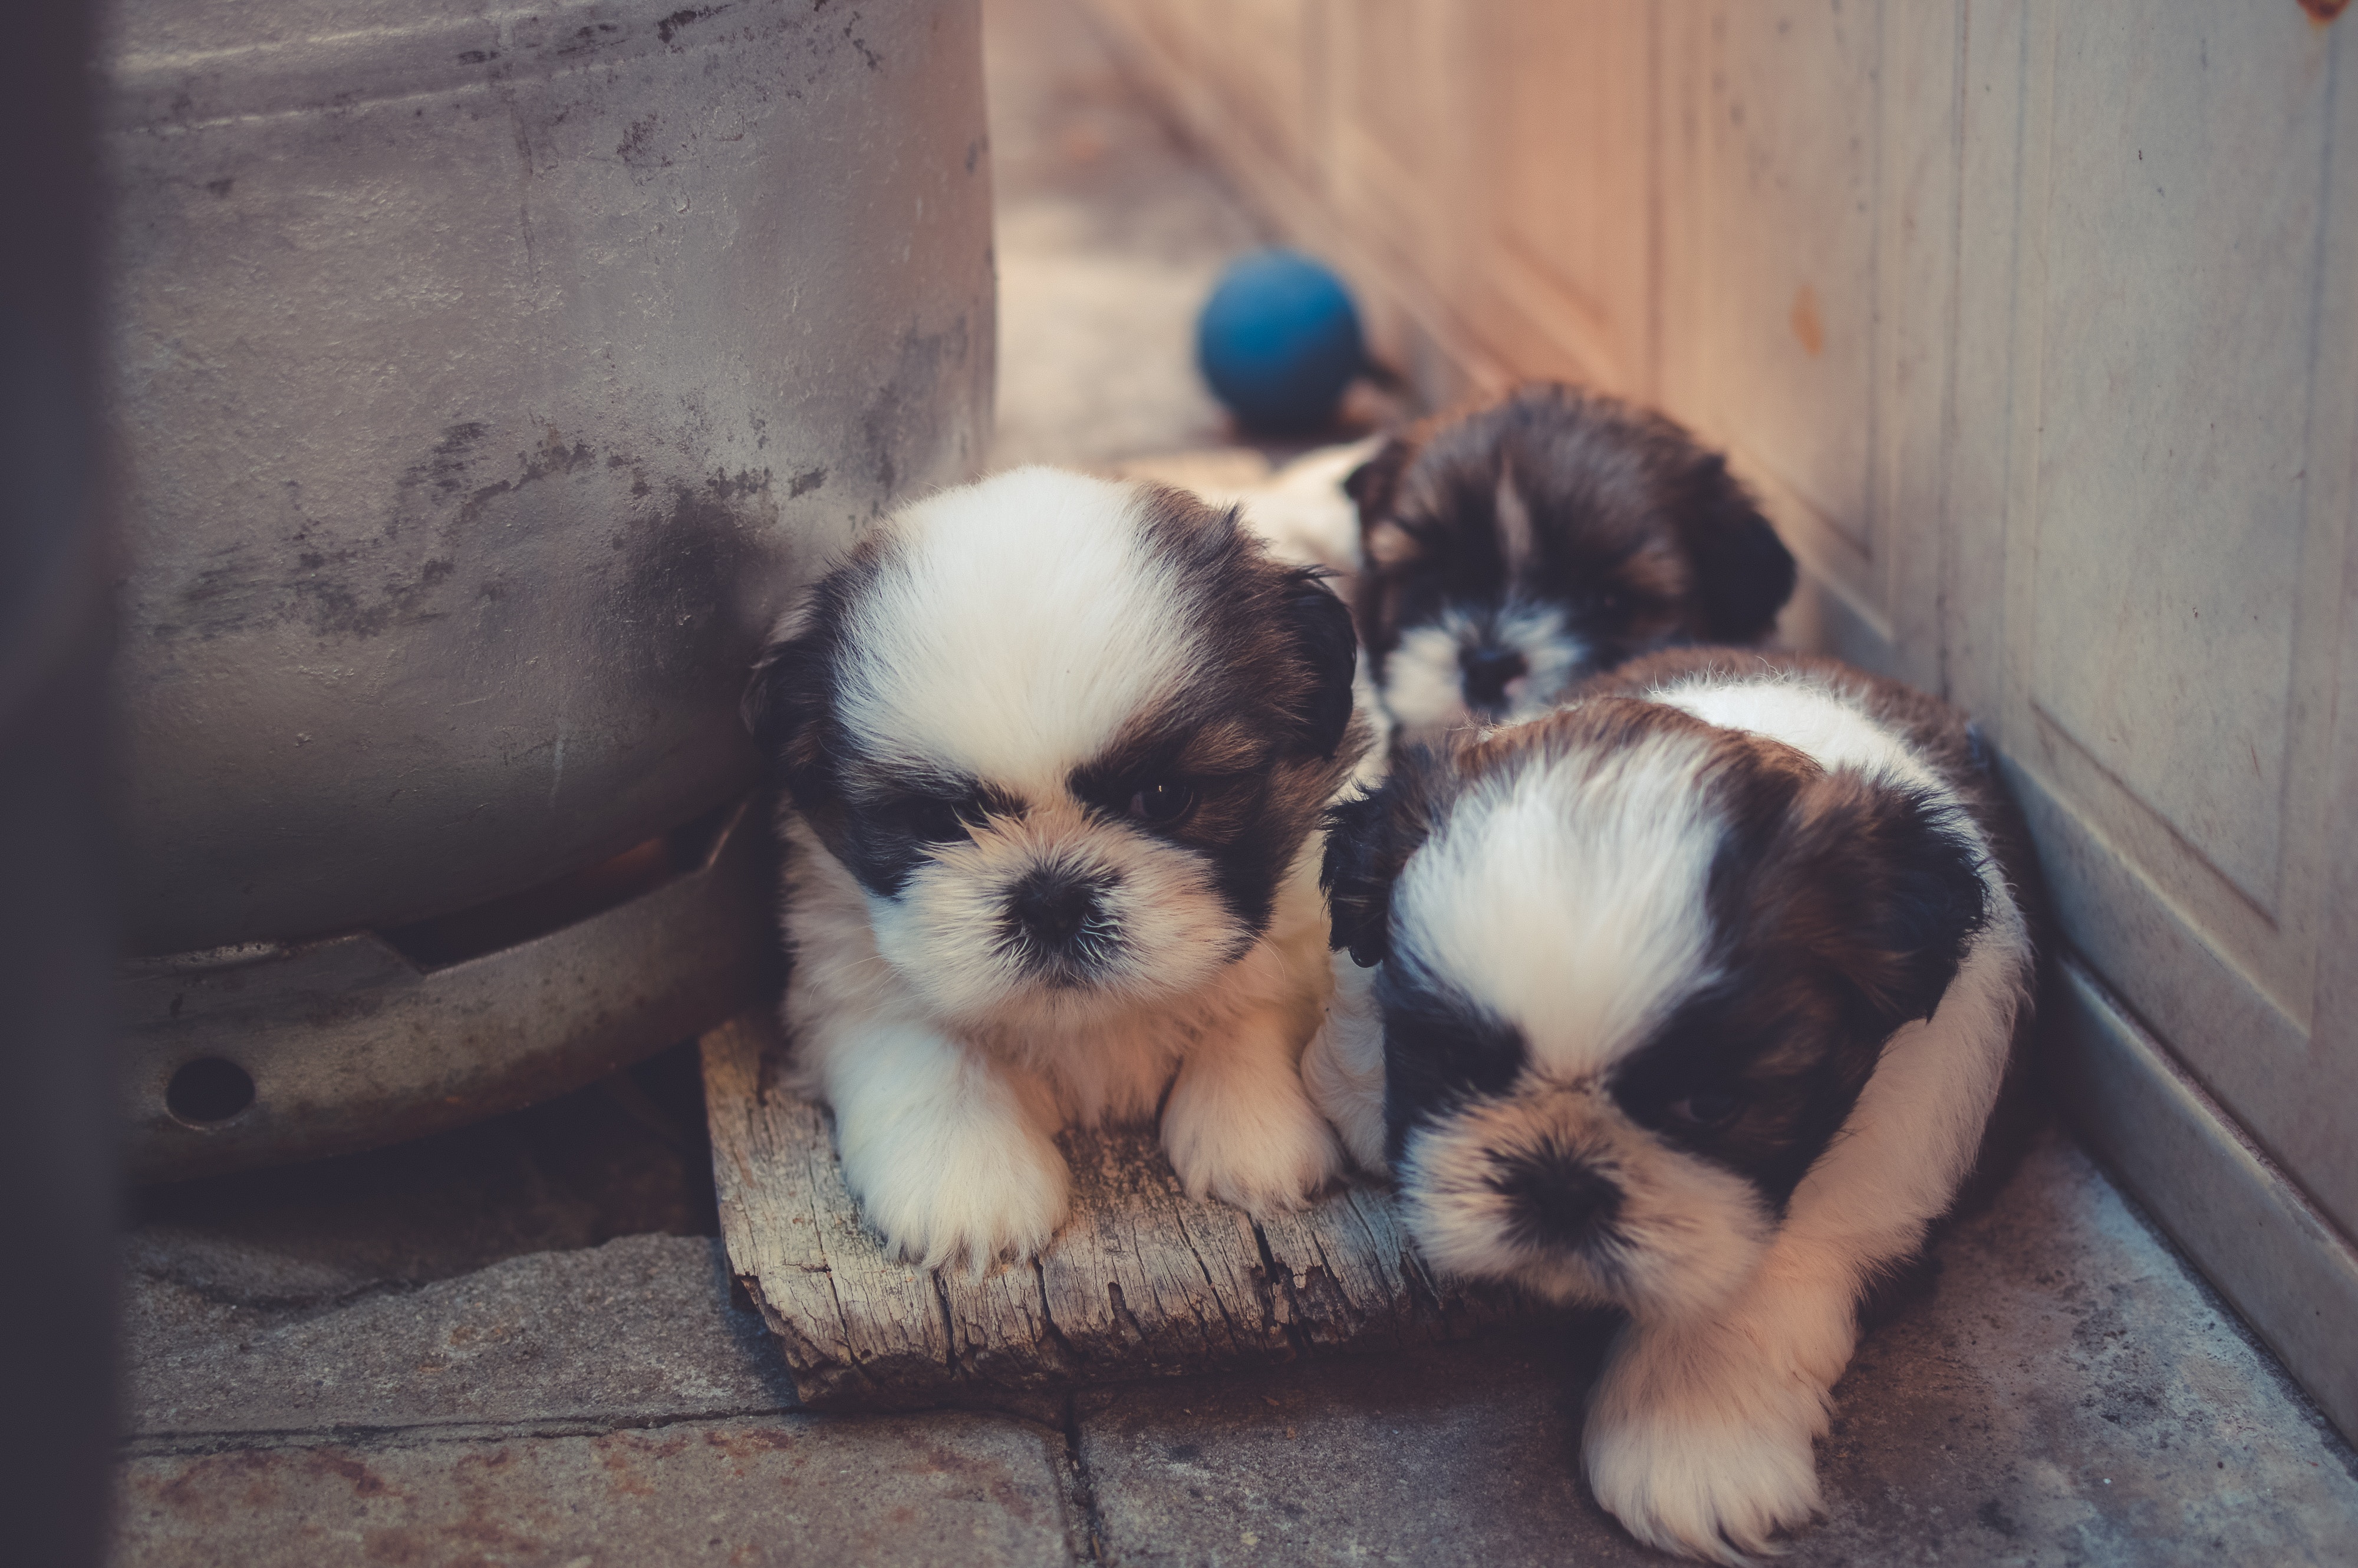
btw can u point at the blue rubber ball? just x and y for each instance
(1278, 340)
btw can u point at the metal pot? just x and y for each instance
(484, 386)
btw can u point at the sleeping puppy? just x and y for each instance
(1693, 999)
(1510, 553)
(1053, 749)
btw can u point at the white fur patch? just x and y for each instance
(956, 653)
(1808, 715)
(1425, 685)
(1424, 679)
(1302, 513)
(1344, 1066)
(1570, 903)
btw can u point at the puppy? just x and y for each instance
(1694, 998)
(1510, 553)
(1053, 749)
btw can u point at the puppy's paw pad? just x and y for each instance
(1704, 1484)
(971, 1206)
(1267, 1158)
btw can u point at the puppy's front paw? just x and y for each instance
(1699, 1443)
(1264, 1152)
(963, 1195)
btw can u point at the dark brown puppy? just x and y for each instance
(1512, 552)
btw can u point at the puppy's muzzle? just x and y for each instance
(1555, 1200)
(1487, 671)
(1057, 918)
(1053, 909)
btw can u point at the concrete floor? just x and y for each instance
(517, 1343)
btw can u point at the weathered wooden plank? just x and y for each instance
(1334, 1288)
(1143, 1278)
(761, 1179)
(1141, 1282)
(1000, 1333)
(851, 1314)
(1351, 1280)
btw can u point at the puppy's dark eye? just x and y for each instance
(1709, 1108)
(1610, 602)
(1162, 803)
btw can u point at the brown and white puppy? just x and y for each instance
(1513, 552)
(1693, 999)
(1054, 750)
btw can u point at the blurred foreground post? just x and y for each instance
(57, 1121)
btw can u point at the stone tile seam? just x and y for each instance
(427, 1434)
(271, 1314)
(1082, 1486)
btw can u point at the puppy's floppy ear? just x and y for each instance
(788, 699)
(1320, 625)
(1371, 484)
(1369, 839)
(1744, 574)
(1885, 889)
(1358, 881)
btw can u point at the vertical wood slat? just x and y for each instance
(1141, 1282)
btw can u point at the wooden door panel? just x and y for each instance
(1394, 180)
(1920, 89)
(2185, 189)
(1569, 285)
(2175, 548)
(1269, 50)
(1790, 143)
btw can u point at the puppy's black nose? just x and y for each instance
(1556, 1201)
(1487, 671)
(1053, 909)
